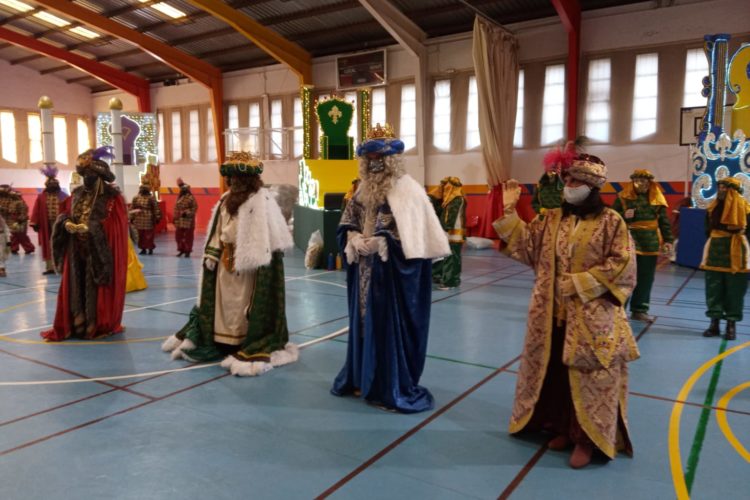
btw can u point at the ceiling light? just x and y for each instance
(166, 9)
(15, 4)
(52, 19)
(86, 33)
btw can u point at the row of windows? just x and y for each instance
(286, 139)
(11, 150)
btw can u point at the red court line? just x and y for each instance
(413, 431)
(105, 417)
(674, 296)
(71, 403)
(79, 375)
(521, 475)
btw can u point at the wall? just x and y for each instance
(21, 88)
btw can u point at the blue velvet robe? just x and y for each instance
(389, 318)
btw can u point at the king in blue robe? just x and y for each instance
(389, 234)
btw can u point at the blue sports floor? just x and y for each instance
(116, 419)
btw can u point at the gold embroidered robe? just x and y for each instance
(599, 255)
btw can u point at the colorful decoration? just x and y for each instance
(718, 156)
(335, 117)
(365, 108)
(144, 144)
(305, 92)
(152, 178)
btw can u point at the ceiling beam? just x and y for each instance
(194, 68)
(119, 79)
(286, 52)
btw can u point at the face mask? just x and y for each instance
(576, 195)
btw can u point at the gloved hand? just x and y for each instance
(209, 264)
(378, 245)
(567, 287)
(360, 244)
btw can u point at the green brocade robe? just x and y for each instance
(647, 241)
(267, 330)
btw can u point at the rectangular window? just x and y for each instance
(60, 125)
(472, 116)
(176, 137)
(378, 107)
(210, 136)
(8, 136)
(234, 116)
(408, 125)
(84, 141)
(518, 132)
(354, 127)
(277, 131)
(195, 135)
(696, 67)
(254, 115)
(441, 115)
(35, 138)
(299, 138)
(160, 139)
(553, 111)
(597, 100)
(645, 95)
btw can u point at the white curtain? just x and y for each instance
(495, 54)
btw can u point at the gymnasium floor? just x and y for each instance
(113, 419)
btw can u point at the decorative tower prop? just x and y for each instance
(48, 131)
(721, 153)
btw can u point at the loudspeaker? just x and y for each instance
(333, 201)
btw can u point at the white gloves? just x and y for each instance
(359, 245)
(209, 264)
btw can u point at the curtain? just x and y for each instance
(495, 54)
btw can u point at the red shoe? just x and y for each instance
(581, 455)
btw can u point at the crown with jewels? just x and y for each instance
(380, 132)
(241, 163)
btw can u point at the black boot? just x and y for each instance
(180, 254)
(713, 330)
(151, 251)
(731, 332)
(142, 252)
(187, 254)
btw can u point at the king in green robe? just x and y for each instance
(240, 314)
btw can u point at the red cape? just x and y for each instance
(110, 300)
(39, 219)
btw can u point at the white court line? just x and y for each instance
(327, 283)
(161, 372)
(18, 332)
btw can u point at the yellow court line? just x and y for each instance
(721, 418)
(21, 305)
(83, 342)
(675, 460)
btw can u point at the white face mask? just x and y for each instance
(576, 195)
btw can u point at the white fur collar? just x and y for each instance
(422, 236)
(261, 230)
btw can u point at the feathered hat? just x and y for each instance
(93, 160)
(381, 140)
(560, 157)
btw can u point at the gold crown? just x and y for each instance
(243, 157)
(380, 132)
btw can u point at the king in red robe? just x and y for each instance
(45, 212)
(90, 247)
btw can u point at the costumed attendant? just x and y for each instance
(389, 234)
(725, 257)
(573, 379)
(16, 214)
(90, 247)
(450, 206)
(241, 306)
(184, 219)
(145, 214)
(642, 205)
(4, 245)
(548, 193)
(45, 212)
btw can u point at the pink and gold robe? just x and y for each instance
(599, 255)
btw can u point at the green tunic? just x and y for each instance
(547, 194)
(647, 241)
(447, 272)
